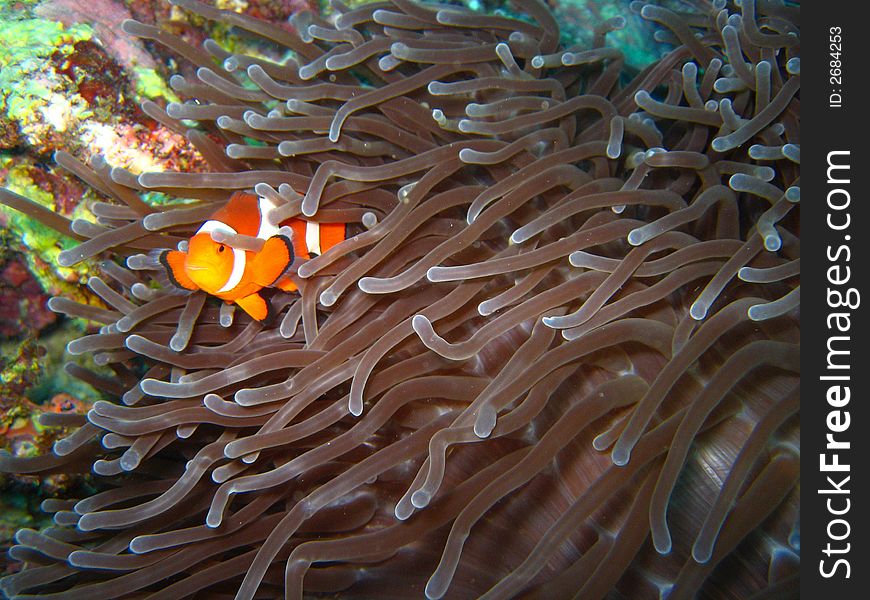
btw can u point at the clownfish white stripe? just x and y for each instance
(213, 225)
(239, 264)
(312, 237)
(239, 259)
(266, 229)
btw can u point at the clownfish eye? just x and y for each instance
(221, 248)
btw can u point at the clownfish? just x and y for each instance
(236, 275)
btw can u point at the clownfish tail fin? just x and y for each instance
(173, 262)
(273, 260)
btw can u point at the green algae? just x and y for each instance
(52, 378)
(148, 83)
(39, 244)
(32, 94)
(16, 512)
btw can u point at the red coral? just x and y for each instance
(96, 75)
(67, 192)
(22, 301)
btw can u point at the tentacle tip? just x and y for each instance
(698, 310)
(765, 173)
(434, 590)
(54, 304)
(77, 558)
(772, 243)
(67, 258)
(334, 133)
(551, 322)
(635, 237)
(620, 456)
(483, 430)
(600, 443)
(86, 523)
(151, 222)
(420, 499)
(309, 207)
(245, 397)
(129, 461)
(128, 26)
(146, 180)
(756, 312)
(662, 543)
(701, 555)
(61, 448)
(720, 144)
(21, 535)
(433, 274)
(421, 324)
(328, 298)
(355, 408)
(213, 521)
(403, 513)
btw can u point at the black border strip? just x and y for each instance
(835, 258)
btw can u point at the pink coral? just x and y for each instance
(105, 16)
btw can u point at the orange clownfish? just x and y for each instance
(236, 275)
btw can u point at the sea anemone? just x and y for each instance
(557, 355)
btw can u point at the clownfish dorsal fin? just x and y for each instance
(241, 213)
(272, 261)
(173, 261)
(254, 305)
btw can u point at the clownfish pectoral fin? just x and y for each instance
(285, 284)
(173, 262)
(272, 261)
(254, 305)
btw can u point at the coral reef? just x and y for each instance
(22, 300)
(63, 89)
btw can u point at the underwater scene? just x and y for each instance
(399, 299)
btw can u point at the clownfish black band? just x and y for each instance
(162, 257)
(289, 243)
